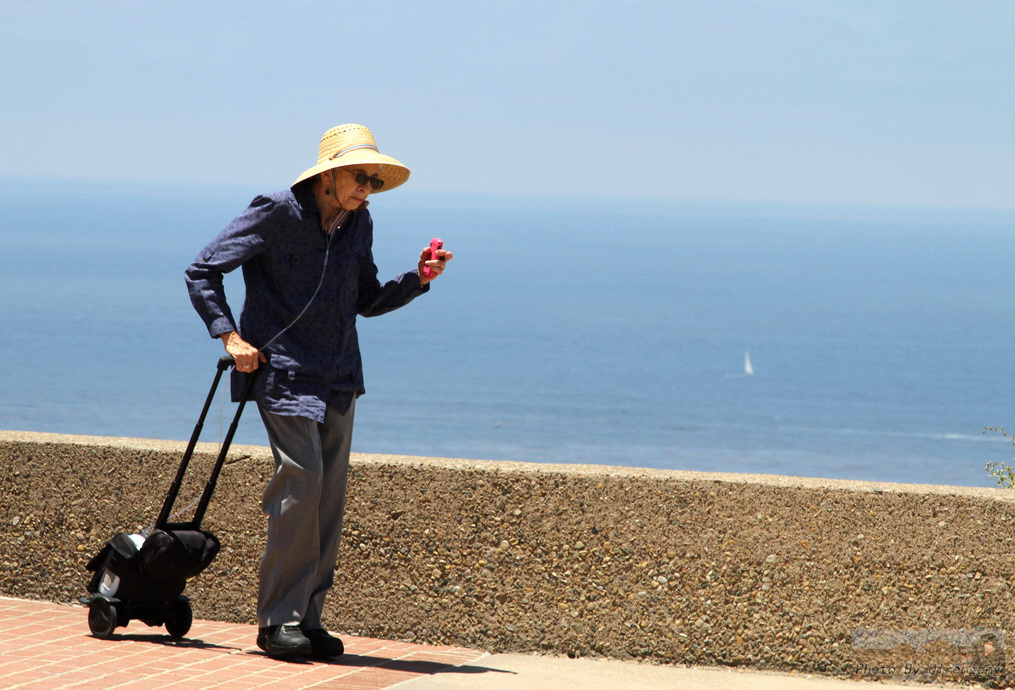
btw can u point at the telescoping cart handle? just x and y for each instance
(162, 523)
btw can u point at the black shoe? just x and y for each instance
(283, 641)
(324, 645)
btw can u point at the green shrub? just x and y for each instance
(1001, 471)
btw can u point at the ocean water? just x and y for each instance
(881, 341)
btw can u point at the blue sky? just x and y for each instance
(857, 103)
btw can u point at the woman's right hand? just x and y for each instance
(246, 356)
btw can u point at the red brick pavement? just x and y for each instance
(46, 645)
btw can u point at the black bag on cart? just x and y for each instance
(157, 569)
(142, 577)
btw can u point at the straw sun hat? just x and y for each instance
(347, 145)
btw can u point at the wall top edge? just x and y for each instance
(507, 467)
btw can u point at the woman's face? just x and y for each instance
(349, 194)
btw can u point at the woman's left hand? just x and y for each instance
(436, 264)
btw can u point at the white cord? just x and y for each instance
(222, 398)
(147, 530)
(324, 270)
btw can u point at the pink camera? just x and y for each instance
(435, 244)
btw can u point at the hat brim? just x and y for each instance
(391, 171)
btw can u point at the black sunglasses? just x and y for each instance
(364, 179)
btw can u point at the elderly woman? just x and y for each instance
(308, 271)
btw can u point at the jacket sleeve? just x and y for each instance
(241, 240)
(374, 298)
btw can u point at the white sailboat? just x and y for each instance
(748, 368)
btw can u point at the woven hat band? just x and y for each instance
(352, 148)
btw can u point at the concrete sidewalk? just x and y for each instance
(46, 645)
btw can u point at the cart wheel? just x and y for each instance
(102, 618)
(179, 618)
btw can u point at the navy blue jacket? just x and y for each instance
(310, 340)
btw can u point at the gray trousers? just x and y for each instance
(304, 502)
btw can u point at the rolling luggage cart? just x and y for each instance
(142, 577)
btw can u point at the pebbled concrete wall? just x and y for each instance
(818, 576)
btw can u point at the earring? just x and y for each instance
(327, 192)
